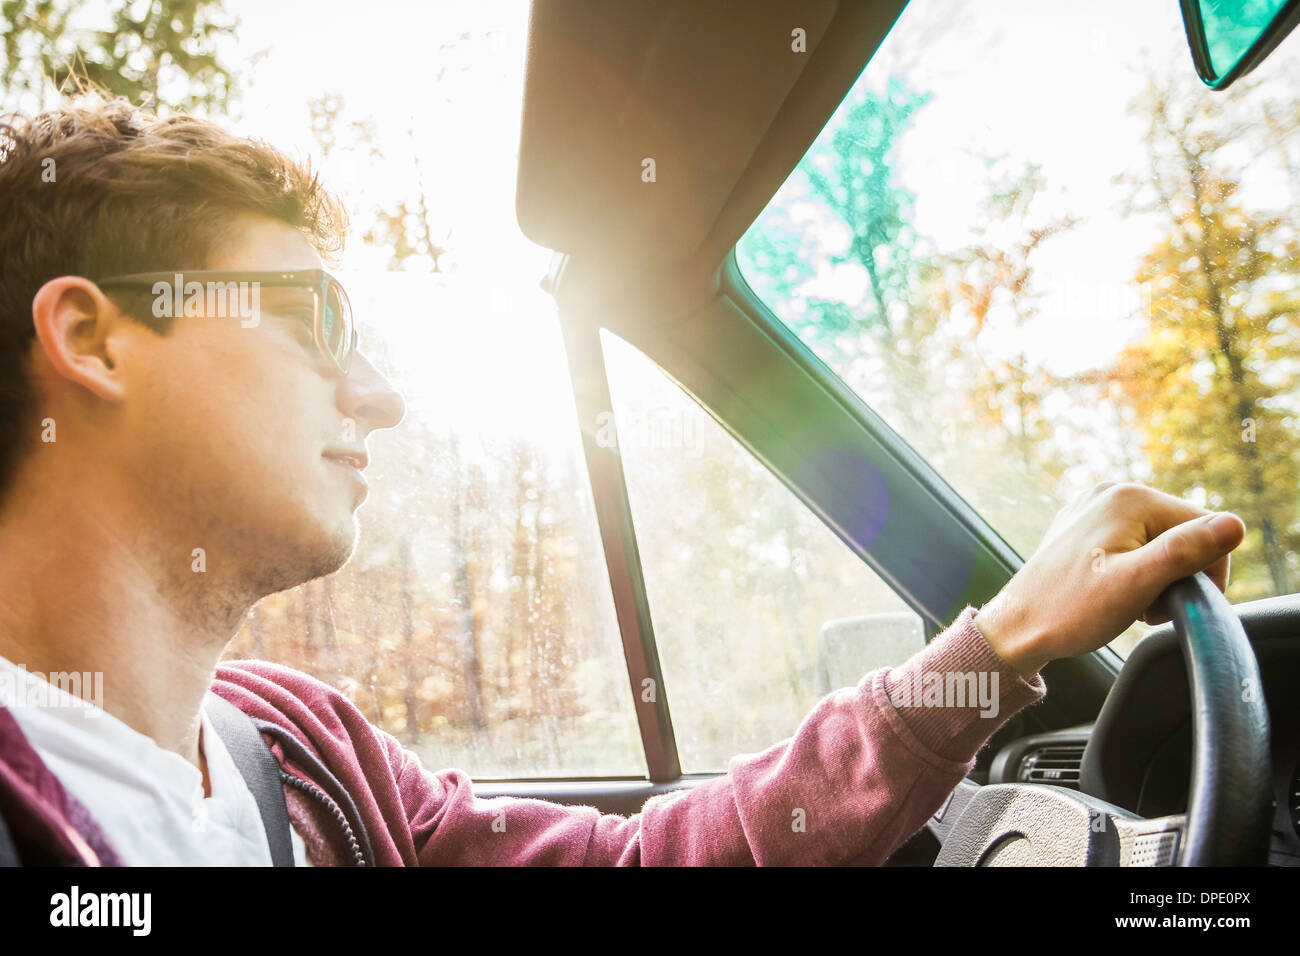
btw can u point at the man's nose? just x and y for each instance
(366, 396)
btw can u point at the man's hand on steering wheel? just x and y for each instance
(1103, 563)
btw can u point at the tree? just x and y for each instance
(852, 172)
(849, 176)
(1214, 380)
(993, 282)
(162, 55)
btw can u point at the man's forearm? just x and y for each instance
(864, 771)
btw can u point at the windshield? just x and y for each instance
(1048, 257)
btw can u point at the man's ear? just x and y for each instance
(74, 323)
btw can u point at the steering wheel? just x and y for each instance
(1229, 802)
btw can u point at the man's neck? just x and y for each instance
(82, 592)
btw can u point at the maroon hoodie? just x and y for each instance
(864, 771)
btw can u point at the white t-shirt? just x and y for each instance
(148, 801)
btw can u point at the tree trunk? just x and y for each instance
(410, 696)
(467, 639)
(1249, 453)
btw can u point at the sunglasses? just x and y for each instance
(331, 320)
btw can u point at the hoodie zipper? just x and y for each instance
(306, 786)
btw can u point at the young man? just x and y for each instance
(166, 462)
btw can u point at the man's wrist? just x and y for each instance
(1011, 641)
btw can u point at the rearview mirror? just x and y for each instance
(1229, 38)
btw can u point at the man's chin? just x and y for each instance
(315, 557)
(340, 548)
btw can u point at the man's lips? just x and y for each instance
(357, 459)
(353, 462)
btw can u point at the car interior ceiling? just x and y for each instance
(656, 247)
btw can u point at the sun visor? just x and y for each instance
(651, 132)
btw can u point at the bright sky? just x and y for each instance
(384, 58)
(478, 348)
(1039, 82)
(1050, 89)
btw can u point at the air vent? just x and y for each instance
(1057, 764)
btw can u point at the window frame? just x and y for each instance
(685, 347)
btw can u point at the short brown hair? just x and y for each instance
(112, 189)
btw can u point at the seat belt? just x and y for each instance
(258, 766)
(8, 853)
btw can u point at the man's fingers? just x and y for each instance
(1201, 544)
(1158, 511)
(1218, 573)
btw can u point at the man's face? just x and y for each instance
(238, 433)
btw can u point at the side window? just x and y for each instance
(758, 608)
(474, 621)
